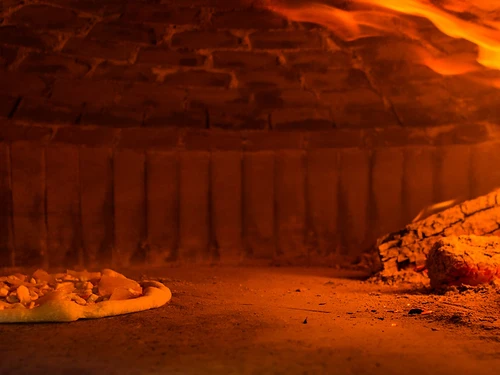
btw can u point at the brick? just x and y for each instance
(481, 110)
(194, 227)
(7, 5)
(198, 78)
(149, 138)
(485, 177)
(95, 7)
(301, 119)
(418, 178)
(385, 72)
(21, 84)
(360, 108)
(387, 187)
(396, 136)
(132, 73)
(41, 110)
(99, 49)
(113, 116)
(336, 138)
(86, 136)
(122, 32)
(482, 83)
(205, 40)
(41, 16)
(54, 64)
(7, 56)
(217, 98)
(290, 205)
(453, 172)
(445, 43)
(285, 99)
(416, 104)
(226, 198)
(14, 132)
(26, 37)
(337, 80)
(63, 206)
(459, 134)
(259, 204)
(211, 140)
(6, 234)
(269, 140)
(354, 200)
(162, 182)
(152, 95)
(248, 19)
(76, 92)
(289, 39)
(129, 208)
(96, 184)
(164, 56)
(163, 14)
(322, 196)
(244, 60)
(217, 4)
(7, 105)
(317, 61)
(268, 79)
(236, 118)
(386, 48)
(160, 117)
(28, 197)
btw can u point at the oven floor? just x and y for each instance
(253, 321)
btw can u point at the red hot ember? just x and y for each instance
(464, 260)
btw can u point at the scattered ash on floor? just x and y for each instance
(476, 308)
(402, 278)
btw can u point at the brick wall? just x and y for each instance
(112, 196)
(212, 130)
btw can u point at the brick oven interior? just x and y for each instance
(248, 155)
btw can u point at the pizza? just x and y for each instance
(73, 295)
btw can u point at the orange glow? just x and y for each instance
(475, 21)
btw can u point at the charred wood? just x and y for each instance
(408, 249)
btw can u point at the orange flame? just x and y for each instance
(476, 21)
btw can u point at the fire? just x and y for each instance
(475, 21)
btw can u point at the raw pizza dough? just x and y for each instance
(70, 296)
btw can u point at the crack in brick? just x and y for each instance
(14, 107)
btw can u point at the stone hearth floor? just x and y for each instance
(251, 321)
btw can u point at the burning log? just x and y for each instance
(408, 248)
(464, 260)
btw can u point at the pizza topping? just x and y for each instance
(76, 298)
(51, 296)
(122, 294)
(12, 298)
(82, 288)
(108, 284)
(67, 287)
(23, 294)
(43, 276)
(85, 275)
(4, 291)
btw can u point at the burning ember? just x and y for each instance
(477, 22)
